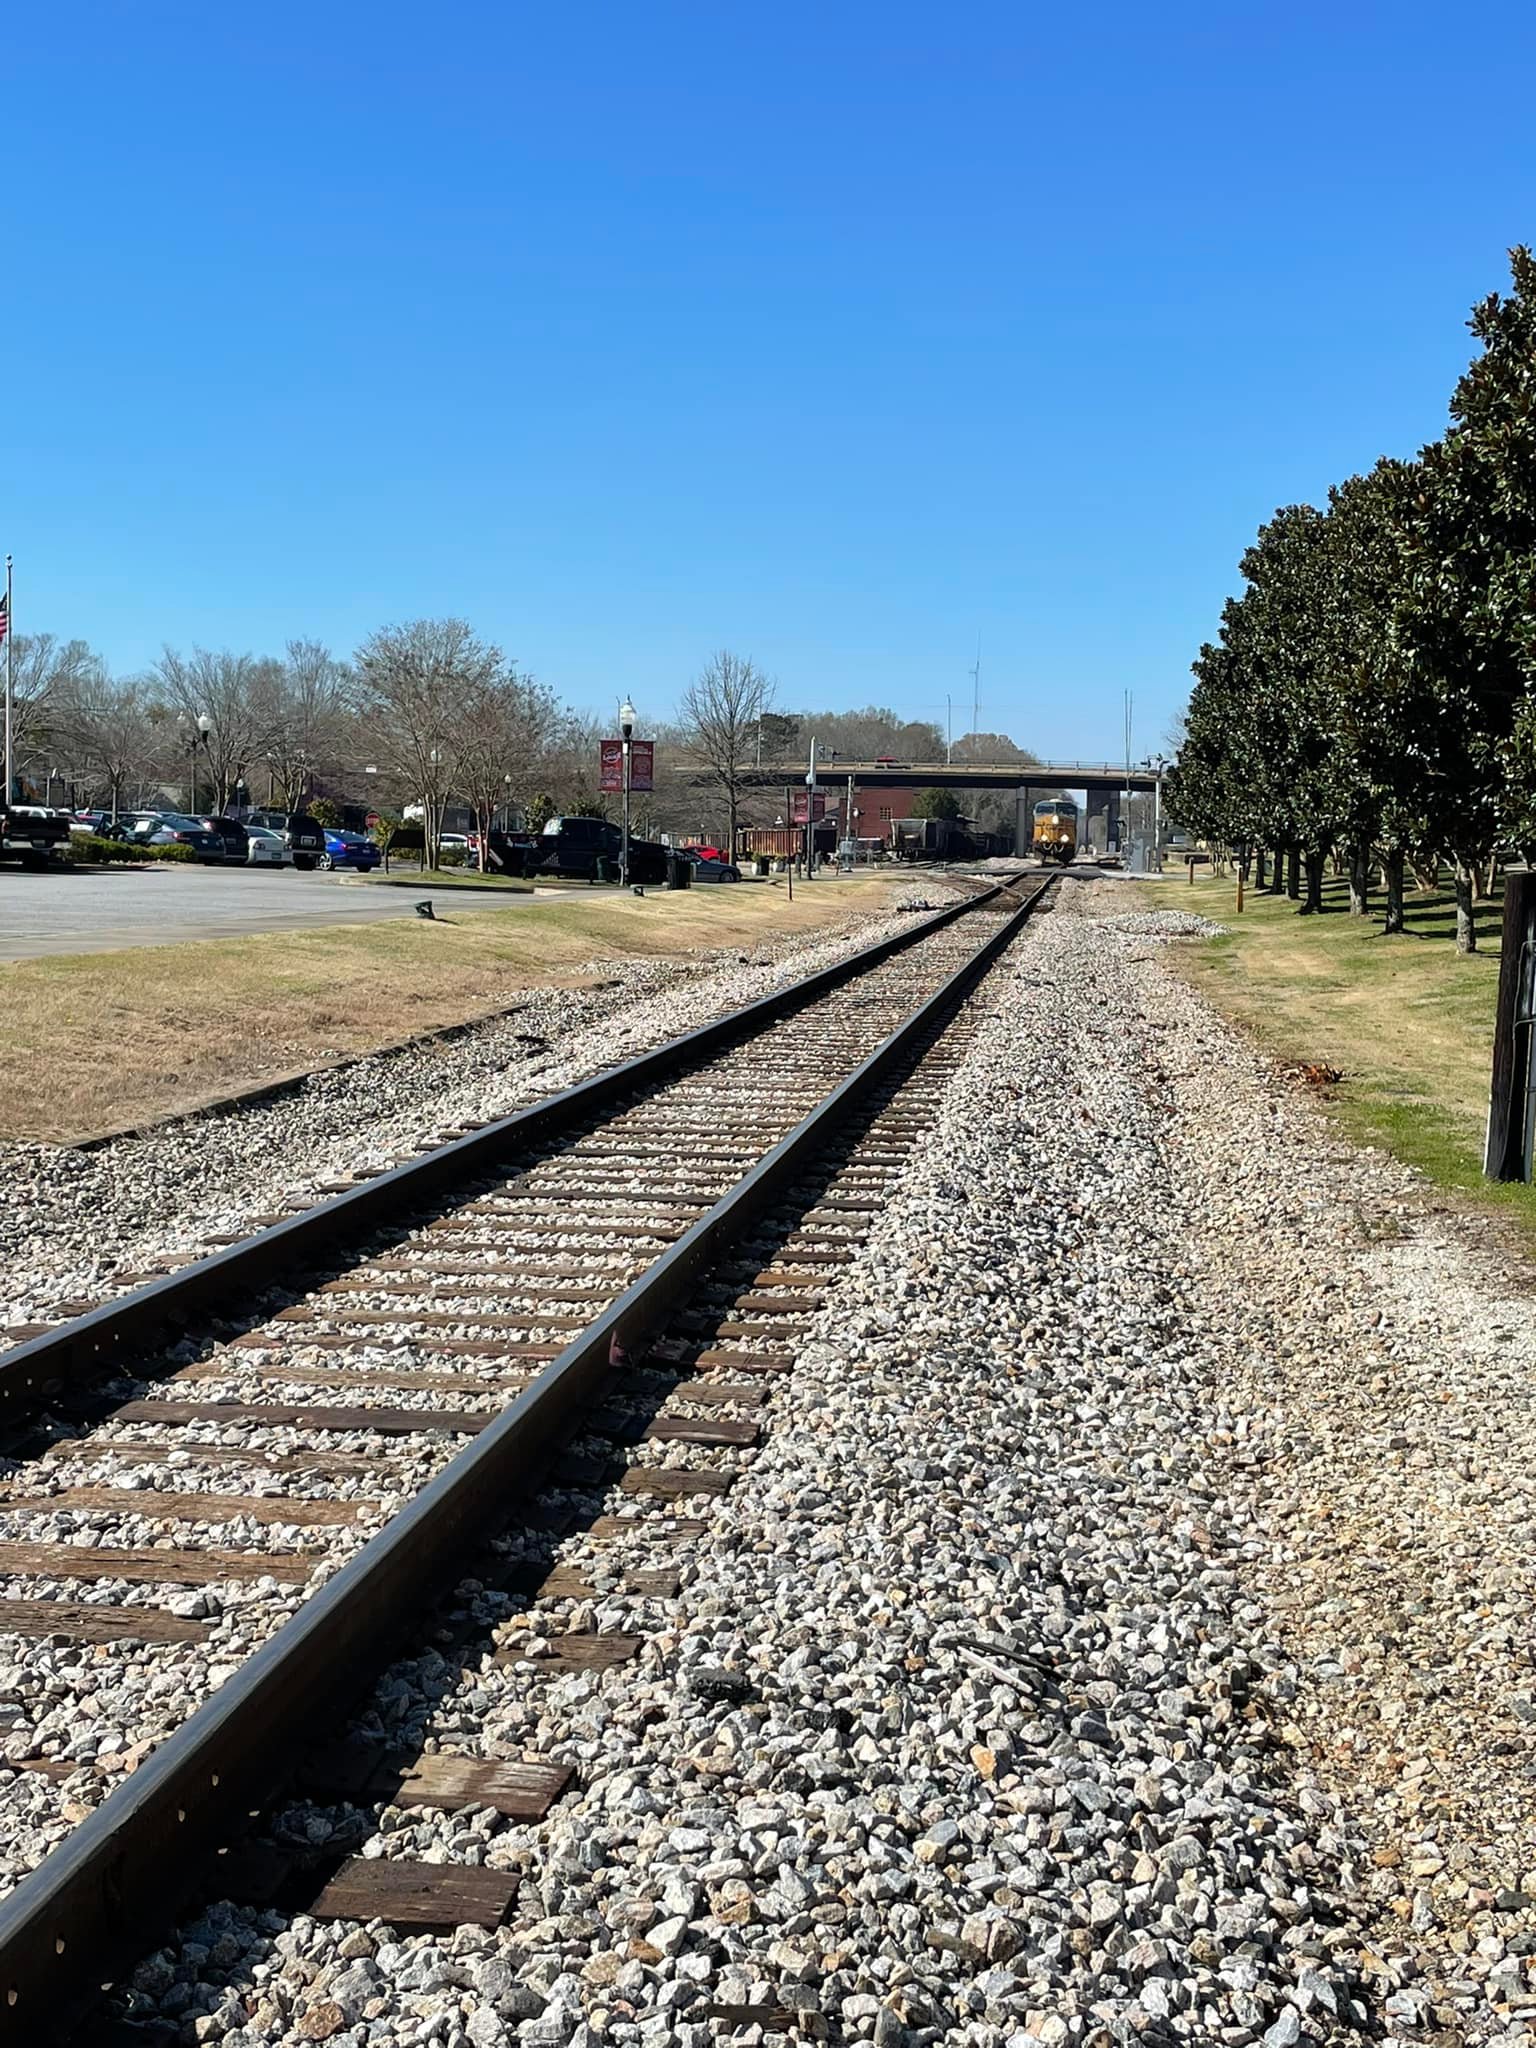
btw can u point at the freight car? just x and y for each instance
(939, 839)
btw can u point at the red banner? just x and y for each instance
(610, 765)
(808, 806)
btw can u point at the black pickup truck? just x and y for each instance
(31, 833)
(573, 848)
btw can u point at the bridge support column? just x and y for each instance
(1023, 819)
(1103, 821)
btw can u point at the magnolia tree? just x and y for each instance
(1373, 688)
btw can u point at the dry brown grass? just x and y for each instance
(90, 1041)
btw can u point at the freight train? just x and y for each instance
(1054, 836)
(943, 839)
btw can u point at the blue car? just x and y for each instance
(350, 850)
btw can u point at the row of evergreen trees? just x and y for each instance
(1372, 691)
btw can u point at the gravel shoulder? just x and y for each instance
(1118, 1638)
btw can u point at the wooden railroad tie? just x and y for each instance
(615, 1528)
(384, 1421)
(98, 1624)
(580, 1651)
(151, 1566)
(190, 1507)
(673, 1482)
(358, 1769)
(564, 1582)
(416, 1896)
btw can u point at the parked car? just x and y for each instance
(575, 847)
(264, 849)
(98, 825)
(231, 834)
(350, 850)
(304, 839)
(171, 828)
(710, 868)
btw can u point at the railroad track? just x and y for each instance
(569, 1320)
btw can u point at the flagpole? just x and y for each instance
(10, 785)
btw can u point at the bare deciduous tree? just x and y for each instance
(104, 723)
(311, 697)
(506, 725)
(44, 670)
(719, 713)
(415, 682)
(233, 692)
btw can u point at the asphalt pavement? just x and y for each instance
(65, 911)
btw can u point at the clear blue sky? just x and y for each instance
(830, 333)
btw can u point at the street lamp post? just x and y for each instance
(810, 814)
(200, 728)
(626, 733)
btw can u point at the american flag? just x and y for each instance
(5, 615)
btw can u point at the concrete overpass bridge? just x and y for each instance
(1103, 783)
(1097, 778)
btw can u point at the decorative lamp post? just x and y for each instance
(626, 733)
(196, 733)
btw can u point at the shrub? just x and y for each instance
(100, 852)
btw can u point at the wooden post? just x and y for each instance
(1191, 867)
(1239, 888)
(1504, 1157)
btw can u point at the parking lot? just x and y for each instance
(69, 912)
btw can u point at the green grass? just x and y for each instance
(1407, 1019)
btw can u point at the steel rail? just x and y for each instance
(119, 1879)
(319, 1235)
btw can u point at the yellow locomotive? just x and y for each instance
(1055, 829)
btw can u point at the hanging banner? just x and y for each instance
(610, 765)
(817, 802)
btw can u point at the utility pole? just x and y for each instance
(949, 731)
(976, 690)
(1125, 830)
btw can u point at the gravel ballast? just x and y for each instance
(76, 1223)
(1118, 1637)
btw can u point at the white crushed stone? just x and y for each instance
(1135, 1565)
